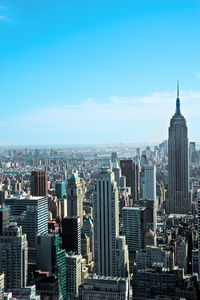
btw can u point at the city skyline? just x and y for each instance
(92, 73)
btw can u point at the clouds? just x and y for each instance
(118, 119)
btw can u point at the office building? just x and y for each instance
(178, 200)
(75, 198)
(97, 287)
(52, 259)
(39, 185)
(30, 212)
(149, 187)
(88, 229)
(73, 275)
(60, 189)
(108, 245)
(133, 227)
(150, 213)
(71, 234)
(131, 171)
(14, 257)
(181, 254)
(4, 217)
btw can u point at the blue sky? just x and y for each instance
(99, 71)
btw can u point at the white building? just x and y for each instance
(73, 275)
(108, 246)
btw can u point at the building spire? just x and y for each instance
(178, 110)
(177, 88)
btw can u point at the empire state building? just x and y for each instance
(178, 201)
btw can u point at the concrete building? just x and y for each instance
(4, 217)
(108, 245)
(149, 187)
(88, 229)
(181, 254)
(73, 275)
(75, 198)
(195, 261)
(1, 285)
(178, 200)
(97, 287)
(146, 258)
(30, 212)
(14, 257)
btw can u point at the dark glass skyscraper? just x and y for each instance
(39, 183)
(178, 200)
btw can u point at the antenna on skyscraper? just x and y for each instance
(177, 88)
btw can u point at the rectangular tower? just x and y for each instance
(107, 244)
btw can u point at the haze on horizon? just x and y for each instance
(97, 72)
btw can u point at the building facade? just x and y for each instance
(108, 246)
(178, 200)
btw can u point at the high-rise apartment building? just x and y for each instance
(178, 200)
(39, 185)
(108, 245)
(75, 198)
(149, 187)
(14, 257)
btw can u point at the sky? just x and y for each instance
(97, 71)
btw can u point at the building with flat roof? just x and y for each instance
(97, 287)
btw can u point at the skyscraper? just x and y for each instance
(39, 183)
(178, 200)
(75, 197)
(149, 188)
(71, 234)
(131, 171)
(32, 214)
(108, 245)
(14, 256)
